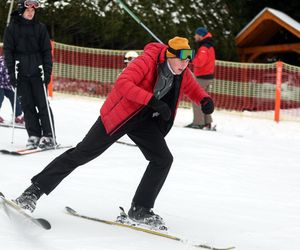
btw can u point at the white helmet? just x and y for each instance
(130, 55)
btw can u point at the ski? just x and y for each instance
(123, 222)
(212, 128)
(9, 125)
(7, 205)
(27, 151)
(127, 143)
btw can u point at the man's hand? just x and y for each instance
(207, 105)
(161, 107)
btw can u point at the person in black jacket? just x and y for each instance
(26, 41)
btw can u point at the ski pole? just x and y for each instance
(47, 103)
(15, 102)
(9, 12)
(138, 20)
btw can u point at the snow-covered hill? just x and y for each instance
(238, 186)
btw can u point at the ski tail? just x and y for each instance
(27, 151)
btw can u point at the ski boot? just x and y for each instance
(209, 127)
(27, 200)
(146, 216)
(195, 126)
(32, 142)
(46, 142)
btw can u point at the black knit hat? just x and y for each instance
(21, 7)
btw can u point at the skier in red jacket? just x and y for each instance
(142, 104)
(204, 69)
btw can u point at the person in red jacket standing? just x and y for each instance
(204, 68)
(142, 104)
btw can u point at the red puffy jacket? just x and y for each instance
(204, 61)
(133, 88)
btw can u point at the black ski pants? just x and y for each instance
(145, 134)
(33, 101)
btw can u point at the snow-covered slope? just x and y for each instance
(238, 186)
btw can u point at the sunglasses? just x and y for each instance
(183, 54)
(31, 4)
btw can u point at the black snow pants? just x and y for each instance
(32, 97)
(147, 136)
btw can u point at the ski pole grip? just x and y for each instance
(16, 69)
(42, 73)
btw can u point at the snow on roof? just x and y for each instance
(282, 16)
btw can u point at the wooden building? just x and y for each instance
(270, 36)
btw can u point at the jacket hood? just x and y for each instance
(156, 51)
(14, 13)
(16, 17)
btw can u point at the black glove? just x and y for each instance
(47, 76)
(207, 105)
(161, 107)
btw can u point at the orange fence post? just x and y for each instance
(50, 86)
(278, 90)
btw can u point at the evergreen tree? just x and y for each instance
(103, 24)
(4, 7)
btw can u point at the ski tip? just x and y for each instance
(122, 209)
(214, 248)
(2, 195)
(70, 210)
(15, 153)
(44, 223)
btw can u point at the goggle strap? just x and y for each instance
(174, 52)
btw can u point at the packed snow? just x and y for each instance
(238, 186)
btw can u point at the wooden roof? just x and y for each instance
(264, 26)
(258, 36)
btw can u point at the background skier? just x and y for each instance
(26, 40)
(204, 69)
